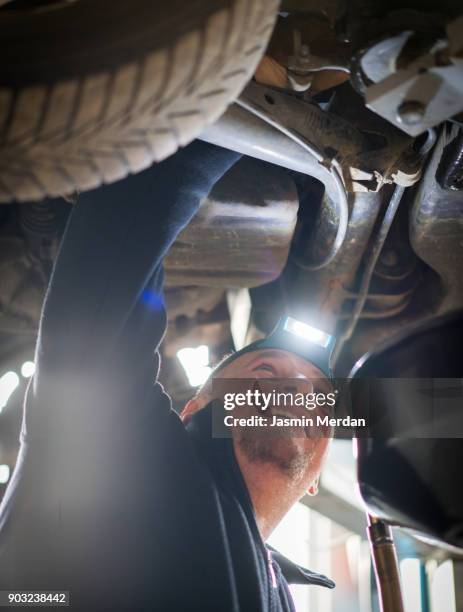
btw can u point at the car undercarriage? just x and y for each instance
(346, 209)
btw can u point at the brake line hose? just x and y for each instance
(373, 256)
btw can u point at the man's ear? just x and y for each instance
(313, 489)
(192, 406)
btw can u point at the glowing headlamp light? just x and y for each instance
(307, 332)
(310, 343)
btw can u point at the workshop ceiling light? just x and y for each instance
(4, 474)
(8, 383)
(412, 587)
(27, 369)
(307, 332)
(195, 362)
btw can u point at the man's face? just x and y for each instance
(297, 455)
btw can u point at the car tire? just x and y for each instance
(91, 91)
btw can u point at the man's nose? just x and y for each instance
(285, 368)
(292, 379)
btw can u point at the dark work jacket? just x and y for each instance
(112, 498)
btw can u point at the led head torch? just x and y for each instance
(310, 343)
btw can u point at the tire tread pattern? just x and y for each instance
(79, 134)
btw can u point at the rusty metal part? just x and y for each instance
(306, 43)
(382, 305)
(424, 303)
(385, 564)
(397, 275)
(305, 54)
(323, 296)
(320, 294)
(366, 159)
(369, 151)
(241, 235)
(388, 269)
(272, 73)
(436, 237)
(393, 156)
(385, 313)
(331, 134)
(303, 61)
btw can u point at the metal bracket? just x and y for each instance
(365, 165)
(425, 92)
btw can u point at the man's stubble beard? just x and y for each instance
(284, 453)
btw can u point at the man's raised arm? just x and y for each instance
(98, 429)
(104, 317)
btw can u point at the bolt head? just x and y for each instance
(411, 112)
